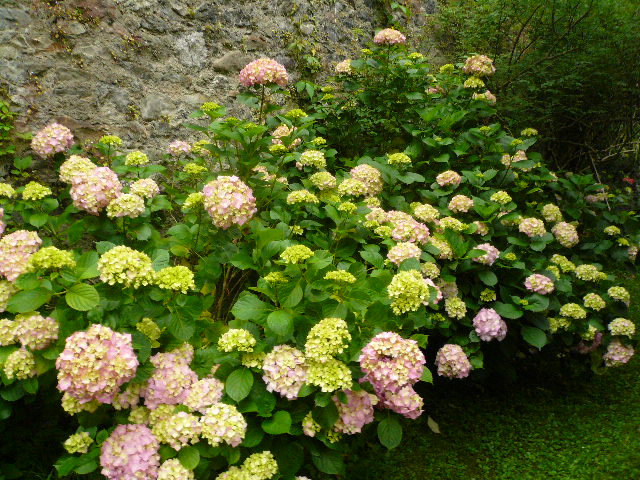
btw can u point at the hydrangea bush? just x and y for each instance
(245, 305)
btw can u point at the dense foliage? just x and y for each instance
(559, 67)
(242, 308)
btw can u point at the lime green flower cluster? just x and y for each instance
(278, 149)
(150, 329)
(348, 207)
(430, 270)
(193, 200)
(178, 278)
(35, 191)
(501, 197)
(558, 323)
(295, 113)
(455, 307)
(78, 442)
(126, 266)
(326, 339)
(237, 339)
(194, 169)
(551, 213)
(589, 273)
(126, 205)
(50, 258)
(612, 230)
(408, 290)
(73, 406)
(594, 301)
(563, 262)
(252, 359)
(398, 159)
(7, 190)
(20, 364)
(198, 148)
(111, 140)
(301, 196)
(622, 327)
(210, 107)
(296, 254)
(275, 278)
(340, 276)
(330, 376)
(573, 310)
(473, 82)
(619, 293)
(136, 159)
(488, 295)
(529, 132)
(426, 212)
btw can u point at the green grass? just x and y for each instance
(549, 424)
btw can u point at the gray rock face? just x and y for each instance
(138, 68)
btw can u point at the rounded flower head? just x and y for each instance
(145, 188)
(296, 254)
(95, 362)
(551, 213)
(264, 71)
(532, 227)
(52, 139)
(126, 266)
(566, 234)
(452, 362)
(111, 140)
(539, 284)
(619, 293)
(455, 307)
(130, 452)
(15, 250)
(126, 205)
(35, 191)
(260, 466)
(172, 379)
(370, 176)
(50, 258)
(237, 339)
(448, 178)
(204, 393)
(356, 413)
(490, 257)
(223, 423)
(7, 190)
(323, 180)
(178, 147)
(389, 36)
(229, 201)
(501, 197)
(20, 364)
(78, 443)
(35, 331)
(617, 354)
(479, 65)
(193, 200)
(489, 325)
(177, 430)
(329, 375)
(353, 187)
(408, 230)
(404, 251)
(473, 82)
(390, 362)
(594, 301)
(573, 310)
(326, 339)
(284, 131)
(136, 159)
(398, 159)
(405, 402)
(94, 190)
(344, 67)
(172, 469)
(623, 327)
(612, 230)
(589, 273)
(487, 96)
(284, 370)
(7, 332)
(460, 203)
(426, 212)
(563, 262)
(409, 290)
(178, 278)
(301, 196)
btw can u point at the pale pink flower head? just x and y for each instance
(130, 452)
(178, 147)
(264, 71)
(489, 325)
(479, 66)
(617, 354)
(566, 234)
(404, 251)
(389, 36)
(370, 176)
(15, 250)
(95, 190)
(460, 203)
(229, 201)
(448, 178)
(532, 227)
(452, 362)
(490, 257)
(356, 413)
(405, 401)
(539, 284)
(285, 371)
(95, 363)
(52, 139)
(172, 379)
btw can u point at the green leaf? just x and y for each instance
(427, 376)
(290, 457)
(371, 255)
(181, 327)
(278, 424)
(507, 310)
(38, 219)
(390, 432)
(87, 266)
(281, 323)
(534, 336)
(328, 461)
(294, 297)
(103, 247)
(433, 425)
(29, 300)
(488, 277)
(239, 383)
(189, 457)
(326, 416)
(82, 297)
(250, 307)
(143, 232)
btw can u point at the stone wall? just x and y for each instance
(137, 68)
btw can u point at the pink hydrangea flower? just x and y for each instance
(172, 379)
(532, 227)
(566, 234)
(95, 363)
(490, 257)
(539, 284)
(229, 201)
(130, 452)
(403, 251)
(617, 354)
(448, 178)
(389, 36)
(452, 362)
(460, 203)
(405, 402)
(284, 370)
(95, 190)
(264, 71)
(370, 176)
(52, 139)
(489, 325)
(356, 413)
(178, 147)
(479, 65)
(15, 250)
